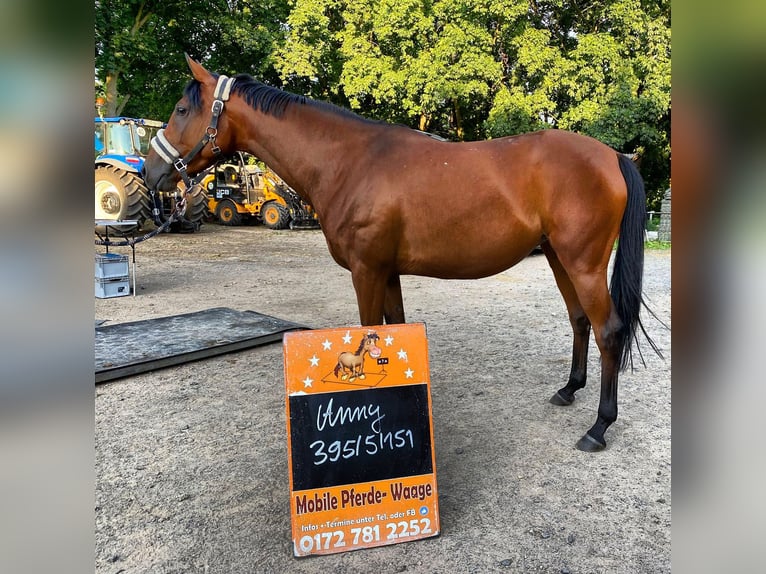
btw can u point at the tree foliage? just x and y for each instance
(598, 68)
(429, 64)
(140, 46)
(465, 69)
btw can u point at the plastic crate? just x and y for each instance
(111, 265)
(112, 287)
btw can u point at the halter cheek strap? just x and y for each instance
(171, 155)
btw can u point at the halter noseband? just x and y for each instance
(171, 155)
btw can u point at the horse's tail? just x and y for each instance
(337, 368)
(627, 275)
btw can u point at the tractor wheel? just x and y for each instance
(275, 215)
(196, 211)
(227, 213)
(196, 205)
(121, 194)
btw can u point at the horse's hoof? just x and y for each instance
(351, 379)
(589, 444)
(560, 401)
(362, 377)
(344, 377)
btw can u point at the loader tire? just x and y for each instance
(275, 215)
(120, 194)
(227, 213)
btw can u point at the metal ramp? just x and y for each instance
(125, 349)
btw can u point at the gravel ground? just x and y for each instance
(191, 461)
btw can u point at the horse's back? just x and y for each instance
(476, 208)
(528, 172)
(472, 209)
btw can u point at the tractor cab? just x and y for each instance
(124, 140)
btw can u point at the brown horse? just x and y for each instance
(388, 201)
(352, 364)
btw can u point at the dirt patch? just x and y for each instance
(191, 461)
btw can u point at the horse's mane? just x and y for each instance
(268, 99)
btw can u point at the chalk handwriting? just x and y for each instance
(332, 417)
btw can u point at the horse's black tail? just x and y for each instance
(627, 275)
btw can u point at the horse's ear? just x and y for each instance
(197, 70)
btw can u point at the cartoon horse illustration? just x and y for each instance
(352, 364)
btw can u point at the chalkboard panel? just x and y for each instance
(359, 436)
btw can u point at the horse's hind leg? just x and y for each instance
(593, 293)
(580, 327)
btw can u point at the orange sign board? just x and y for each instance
(361, 459)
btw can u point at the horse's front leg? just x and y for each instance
(362, 376)
(370, 286)
(393, 307)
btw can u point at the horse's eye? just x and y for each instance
(181, 111)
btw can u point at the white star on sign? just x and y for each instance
(408, 373)
(314, 360)
(307, 382)
(403, 355)
(347, 337)
(327, 345)
(389, 341)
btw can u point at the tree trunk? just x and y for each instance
(114, 102)
(458, 121)
(110, 108)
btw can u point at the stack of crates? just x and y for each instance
(112, 275)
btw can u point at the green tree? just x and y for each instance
(598, 68)
(423, 63)
(140, 46)
(470, 69)
(309, 60)
(466, 69)
(123, 30)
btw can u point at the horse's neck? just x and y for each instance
(301, 145)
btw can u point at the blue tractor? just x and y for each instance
(121, 144)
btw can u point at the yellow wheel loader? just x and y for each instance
(239, 190)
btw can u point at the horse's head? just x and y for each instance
(196, 133)
(370, 345)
